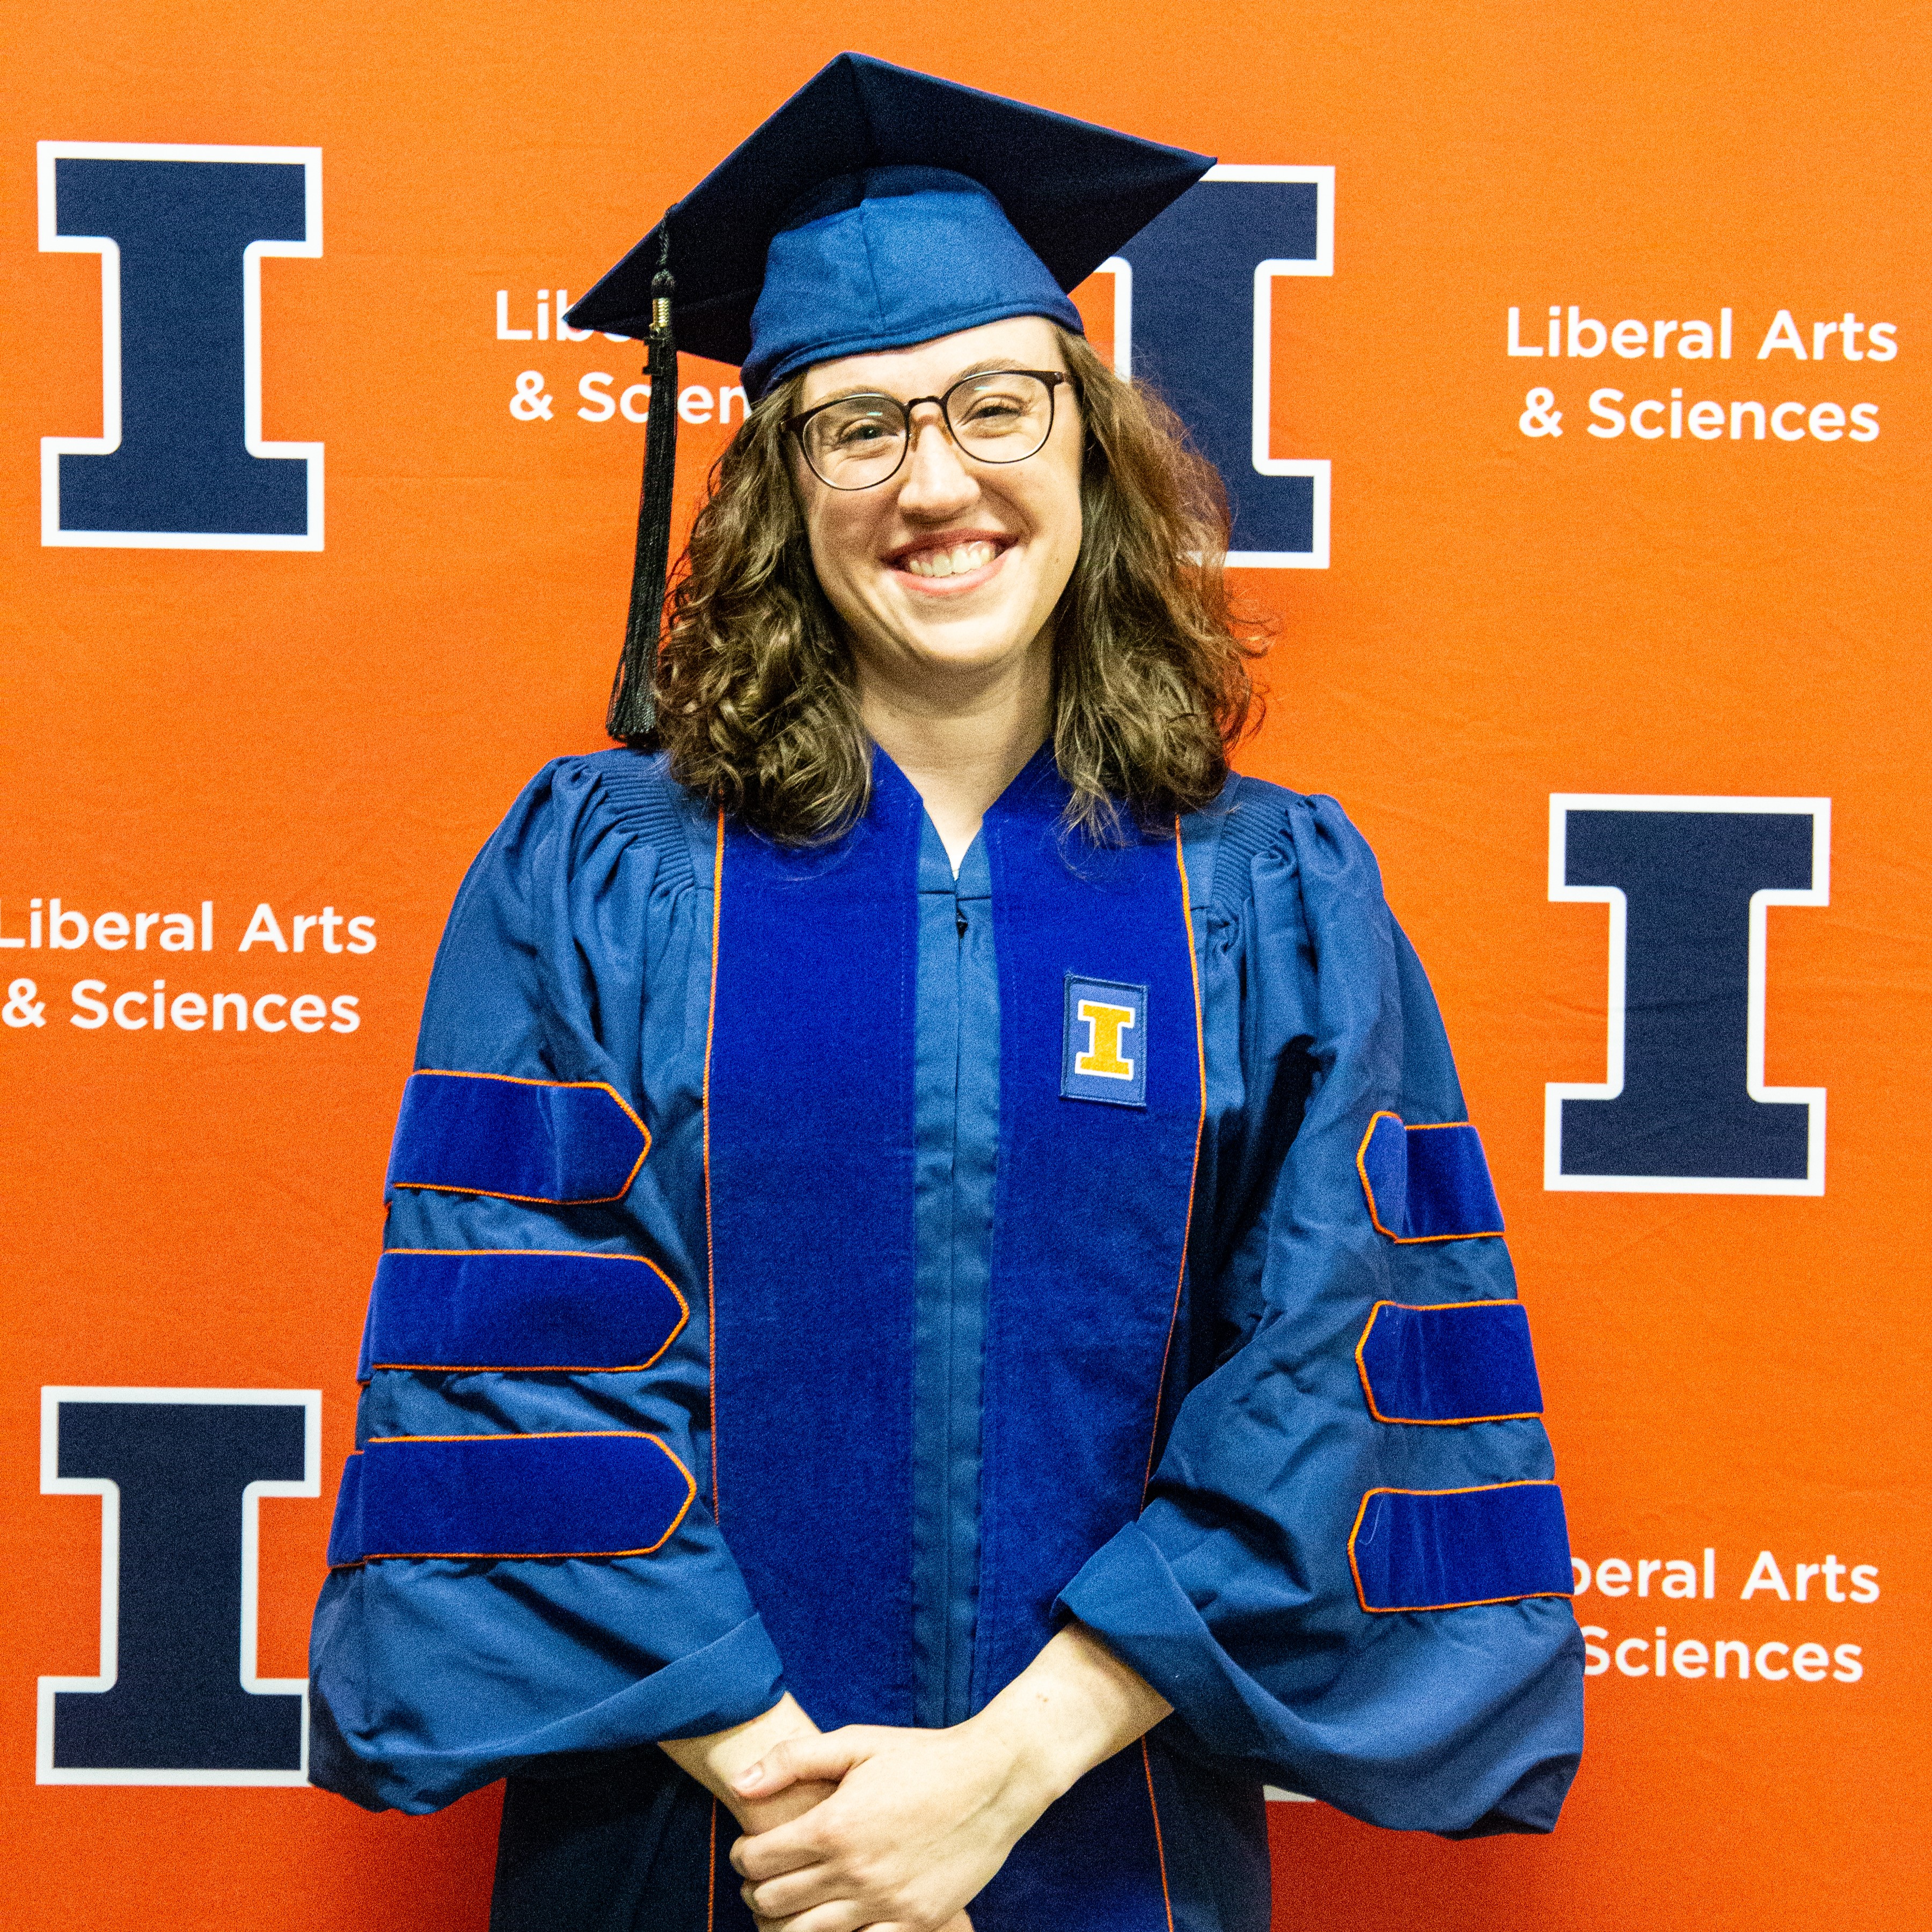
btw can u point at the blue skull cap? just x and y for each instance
(902, 255)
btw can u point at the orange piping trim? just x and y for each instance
(501, 1556)
(529, 1435)
(710, 1251)
(1469, 1489)
(541, 1369)
(1430, 1421)
(1160, 1847)
(710, 1286)
(1361, 1154)
(545, 1200)
(711, 1890)
(535, 1555)
(573, 1254)
(548, 1368)
(1174, 1316)
(1193, 1176)
(531, 1200)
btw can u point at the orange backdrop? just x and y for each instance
(1507, 616)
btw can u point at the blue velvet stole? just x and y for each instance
(1089, 1227)
(811, 1169)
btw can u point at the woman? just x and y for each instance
(936, 1278)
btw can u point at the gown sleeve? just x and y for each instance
(444, 1653)
(1373, 1671)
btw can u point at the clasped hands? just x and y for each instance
(873, 1827)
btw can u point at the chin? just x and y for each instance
(949, 651)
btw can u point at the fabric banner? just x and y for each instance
(1565, 368)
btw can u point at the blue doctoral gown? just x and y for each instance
(1346, 1575)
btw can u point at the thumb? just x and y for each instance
(802, 1760)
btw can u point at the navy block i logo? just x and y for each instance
(1684, 1108)
(180, 462)
(181, 1473)
(1194, 314)
(1103, 1045)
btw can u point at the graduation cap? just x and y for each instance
(876, 208)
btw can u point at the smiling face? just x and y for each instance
(949, 571)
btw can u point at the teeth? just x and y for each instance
(954, 562)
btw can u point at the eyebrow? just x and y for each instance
(989, 365)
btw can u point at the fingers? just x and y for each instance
(842, 1916)
(825, 1759)
(779, 1900)
(781, 1885)
(813, 1899)
(896, 1847)
(806, 1842)
(846, 1917)
(756, 1815)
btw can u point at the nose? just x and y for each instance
(936, 482)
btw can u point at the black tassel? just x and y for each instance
(633, 715)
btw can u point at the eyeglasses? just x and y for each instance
(1001, 416)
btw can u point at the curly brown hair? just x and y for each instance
(757, 701)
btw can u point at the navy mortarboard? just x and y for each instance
(876, 208)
